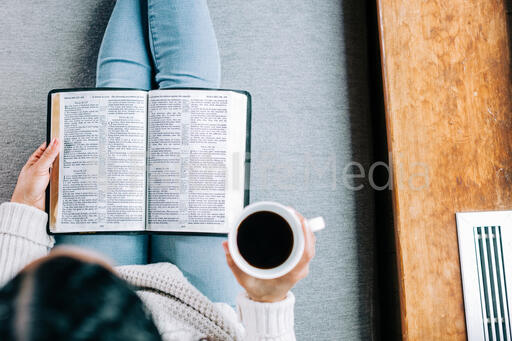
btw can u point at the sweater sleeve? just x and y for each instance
(23, 238)
(267, 321)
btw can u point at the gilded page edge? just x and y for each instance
(54, 177)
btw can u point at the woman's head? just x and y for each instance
(64, 297)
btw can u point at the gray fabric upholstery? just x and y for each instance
(304, 63)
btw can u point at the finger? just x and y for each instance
(229, 259)
(309, 239)
(239, 274)
(303, 273)
(307, 231)
(49, 155)
(303, 262)
(37, 154)
(300, 272)
(309, 248)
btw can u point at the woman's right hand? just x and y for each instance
(35, 175)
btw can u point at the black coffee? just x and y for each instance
(265, 240)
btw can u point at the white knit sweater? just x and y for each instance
(179, 310)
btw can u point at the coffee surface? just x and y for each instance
(265, 240)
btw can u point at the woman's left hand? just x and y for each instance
(35, 175)
(274, 290)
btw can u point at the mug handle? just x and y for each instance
(315, 224)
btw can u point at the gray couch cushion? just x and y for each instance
(304, 63)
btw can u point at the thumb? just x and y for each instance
(239, 274)
(49, 155)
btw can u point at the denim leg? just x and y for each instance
(121, 249)
(185, 54)
(202, 261)
(123, 61)
(183, 44)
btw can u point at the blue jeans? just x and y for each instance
(163, 44)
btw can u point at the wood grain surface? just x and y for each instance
(447, 89)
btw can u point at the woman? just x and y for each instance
(71, 294)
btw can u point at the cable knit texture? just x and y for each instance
(23, 238)
(267, 321)
(171, 297)
(179, 310)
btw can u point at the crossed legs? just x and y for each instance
(163, 44)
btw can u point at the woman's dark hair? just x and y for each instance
(64, 298)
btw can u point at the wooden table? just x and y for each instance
(447, 88)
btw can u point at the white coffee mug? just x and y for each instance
(288, 214)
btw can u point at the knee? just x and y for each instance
(205, 79)
(115, 73)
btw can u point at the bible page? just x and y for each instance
(196, 160)
(102, 161)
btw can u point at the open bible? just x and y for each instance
(174, 160)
